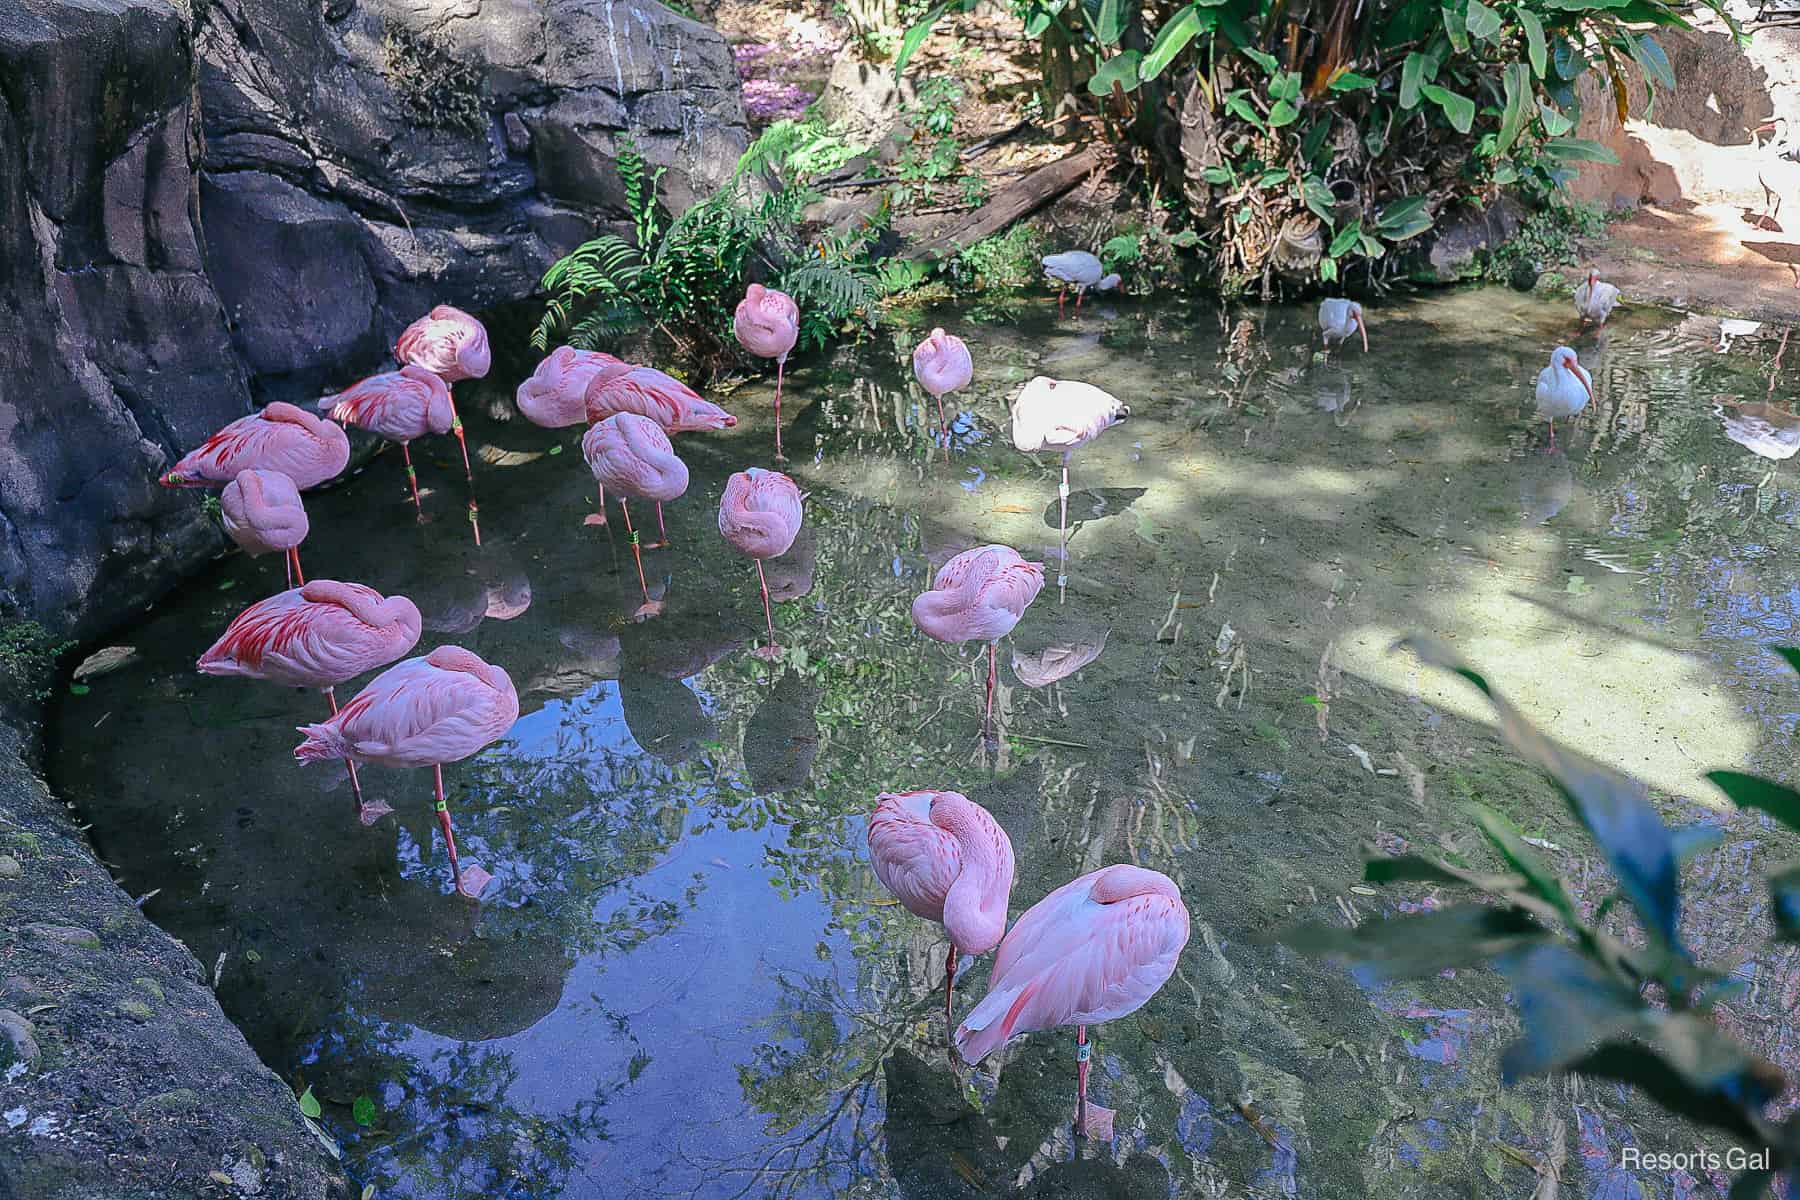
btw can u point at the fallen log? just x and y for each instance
(1011, 204)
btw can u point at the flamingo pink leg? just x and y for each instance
(1062, 294)
(1081, 1073)
(456, 427)
(780, 368)
(287, 562)
(987, 722)
(949, 986)
(294, 552)
(650, 608)
(662, 529)
(1080, 294)
(598, 516)
(355, 783)
(412, 479)
(773, 650)
(443, 812)
(1062, 565)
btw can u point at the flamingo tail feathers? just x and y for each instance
(990, 1025)
(323, 741)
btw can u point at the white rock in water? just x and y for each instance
(105, 662)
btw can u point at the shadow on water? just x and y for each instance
(685, 980)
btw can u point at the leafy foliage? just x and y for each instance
(1587, 997)
(28, 658)
(1318, 135)
(684, 276)
(1544, 242)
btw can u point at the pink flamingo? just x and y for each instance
(400, 406)
(554, 395)
(631, 455)
(453, 346)
(424, 712)
(317, 636)
(621, 387)
(946, 860)
(941, 364)
(1095, 949)
(759, 515)
(307, 449)
(767, 324)
(979, 596)
(262, 513)
(1055, 414)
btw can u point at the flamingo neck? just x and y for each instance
(975, 905)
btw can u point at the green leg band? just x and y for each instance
(440, 806)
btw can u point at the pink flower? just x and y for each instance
(942, 364)
(767, 323)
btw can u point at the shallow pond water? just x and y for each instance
(685, 980)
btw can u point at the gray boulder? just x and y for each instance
(367, 159)
(114, 350)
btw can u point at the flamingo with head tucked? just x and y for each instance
(555, 395)
(979, 596)
(946, 860)
(631, 455)
(1563, 388)
(452, 345)
(317, 636)
(1338, 319)
(941, 364)
(1058, 414)
(400, 406)
(1095, 949)
(759, 516)
(622, 387)
(262, 513)
(424, 712)
(767, 324)
(307, 449)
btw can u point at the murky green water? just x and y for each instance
(685, 980)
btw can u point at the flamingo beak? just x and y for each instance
(1364, 330)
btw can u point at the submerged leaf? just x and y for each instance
(1423, 943)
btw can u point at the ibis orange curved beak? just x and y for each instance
(1362, 329)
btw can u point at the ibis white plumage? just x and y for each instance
(1563, 388)
(1079, 270)
(1595, 300)
(1338, 319)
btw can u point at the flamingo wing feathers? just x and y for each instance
(914, 859)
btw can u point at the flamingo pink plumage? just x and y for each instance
(1095, 949)
(554, 396)
(631, 455)
(424, 712)
(262, 513)
(317, 636)
(307, 449)
(1058, 414)
(979, 596)
(452, 345)
(767, 324)
(400, 406)
(941, 364)
(621, 387)
(759, 515)
(946, 860)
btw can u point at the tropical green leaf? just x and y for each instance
(363, 1110)
(1789, 654)
(1461, 935)
(1350, 81)
(1328, 270)
(1572, 149)
(1539, 878)
(1650, 56)
(1555, 123)
(1282, 113)
(1109, 26)
(1415, 72)
(1459, 109)
(1516, 84)
(1764, 795)
(917, 33)
(1262, 59)
(1173, 38)
(1403, 218)
(1346, 238)
(1534, 40)
(1285, 86)
(1314, 141)
(1482, 22)
(1236, 103)
(309, 1103)
(1121, 69)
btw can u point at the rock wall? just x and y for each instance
(366, 159)
(113, 345)
(199, 213)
